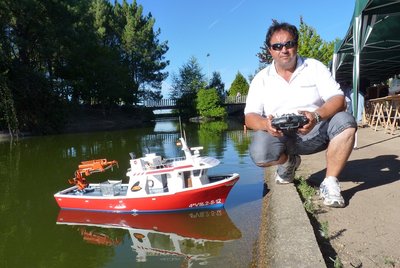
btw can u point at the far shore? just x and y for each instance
(90, 123)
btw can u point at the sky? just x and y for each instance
(231, 32)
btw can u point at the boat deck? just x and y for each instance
(96, 190)
(117, 189)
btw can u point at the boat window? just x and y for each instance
(186, 174)
(187, 179)
(164, 180)
(196, 172)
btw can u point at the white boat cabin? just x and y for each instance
(153, 175)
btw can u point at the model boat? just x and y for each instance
(154, 185)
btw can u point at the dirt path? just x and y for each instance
(366, 232)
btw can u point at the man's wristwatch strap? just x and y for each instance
(317, 117)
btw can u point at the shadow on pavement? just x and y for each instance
(367, 173)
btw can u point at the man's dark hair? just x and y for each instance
(276, 26)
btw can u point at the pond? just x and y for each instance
(34, 232)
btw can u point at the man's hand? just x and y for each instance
(332, 106)
(257, 122)
(271, 130)
(312, 121)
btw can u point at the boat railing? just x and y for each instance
(165, 163)
(170, 161)
(158, 190)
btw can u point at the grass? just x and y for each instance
(336, 262)
(324, 229)
(389, 261)
(307, 193)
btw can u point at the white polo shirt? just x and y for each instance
(309, 87)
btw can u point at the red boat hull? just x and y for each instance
(212, 196)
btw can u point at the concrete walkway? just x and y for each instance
(290, 239)
(363, 234)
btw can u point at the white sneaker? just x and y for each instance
(285, 173)
(330, 192)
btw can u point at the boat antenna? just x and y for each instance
(180, 126)
(183, 132)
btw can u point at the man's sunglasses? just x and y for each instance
(279, 46)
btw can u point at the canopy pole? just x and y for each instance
(356, 66)
(334, 65)
(356, 62)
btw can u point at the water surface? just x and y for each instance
(35, 233)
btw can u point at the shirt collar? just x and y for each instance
(300, 63)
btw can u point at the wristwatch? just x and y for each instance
(317, 117)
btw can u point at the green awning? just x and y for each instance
(371, 48)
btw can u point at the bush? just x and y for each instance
(208, 104)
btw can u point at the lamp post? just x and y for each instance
(208, 67)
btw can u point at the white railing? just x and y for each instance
(160, 103)
(172, 102)
(235, 99)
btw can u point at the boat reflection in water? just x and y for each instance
(191, 236)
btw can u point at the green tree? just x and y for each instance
(36, 37)
(108, 78)
(216, 82)
(239, 85)
(185, 86)
(311, 44)
(7, 110)
(208, 104)
(57, 54)
(8, 116)
(143, 52)
(77, 69)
